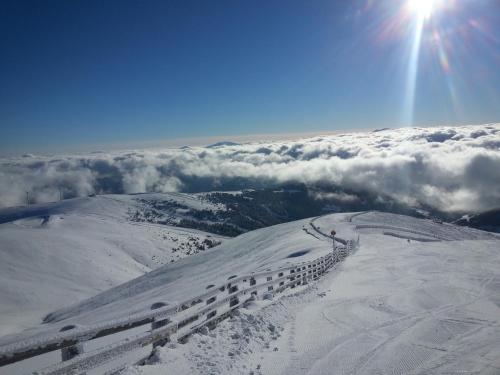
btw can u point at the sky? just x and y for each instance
(102, 72)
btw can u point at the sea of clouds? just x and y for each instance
(451, 169)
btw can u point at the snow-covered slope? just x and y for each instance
(417, 297)
(55, 254)
(489, 220)
(393, 307)
(254, 251)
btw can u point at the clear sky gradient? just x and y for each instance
(87, 72)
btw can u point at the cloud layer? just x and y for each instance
(451, 169)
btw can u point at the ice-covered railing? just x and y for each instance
(165, 322)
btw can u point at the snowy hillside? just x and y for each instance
(418, 288)
(231, 213)
(393, 307)
(59, 253)
(489, 220)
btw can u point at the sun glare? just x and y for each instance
(422, 8)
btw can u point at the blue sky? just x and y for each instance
(96, 72)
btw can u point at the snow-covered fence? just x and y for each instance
(317, 230)
(163, 322)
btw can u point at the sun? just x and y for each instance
(422, 8)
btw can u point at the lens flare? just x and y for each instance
(412, 73)
(437, 43)
(423, 9)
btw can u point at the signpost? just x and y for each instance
(333, 233)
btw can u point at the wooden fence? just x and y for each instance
(163, 322)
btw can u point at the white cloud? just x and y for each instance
(448, 168)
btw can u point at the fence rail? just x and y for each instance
(167, 322)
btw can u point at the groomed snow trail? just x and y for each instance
(394, 307)
(401, 308)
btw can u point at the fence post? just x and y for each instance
(155, 324)
(71, 351)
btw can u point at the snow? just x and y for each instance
(393, 307)
(397, 305)
(52, 255)
(251, 252)
(259, 250)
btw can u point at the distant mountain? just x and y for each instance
(223, 144)
(231, 213)
(489, 221)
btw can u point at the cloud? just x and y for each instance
(448, 168)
